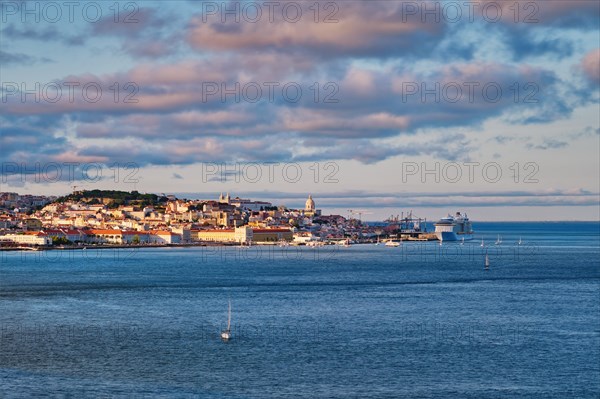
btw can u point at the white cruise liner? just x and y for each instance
(454, 228)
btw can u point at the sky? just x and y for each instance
(382, 107)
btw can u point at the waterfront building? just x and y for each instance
(163, 237)
(28, 238)
(114, 236)
(272, 235)
(243, 234)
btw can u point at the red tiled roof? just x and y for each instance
(271, 230)
(105, 231)
(161, 233)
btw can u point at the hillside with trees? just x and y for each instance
(113, 198)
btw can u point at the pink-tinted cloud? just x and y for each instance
(359, 28)
(314, 122)
(591, 65)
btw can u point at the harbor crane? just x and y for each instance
(358, 212)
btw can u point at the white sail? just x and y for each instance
(226, 334)
(229, 316)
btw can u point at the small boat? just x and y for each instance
(392, 243)
(487, 261)
(463, 241)
(226, 334)
(499, 240)
(520, 242)
(482, 243)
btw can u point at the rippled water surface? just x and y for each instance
(421, 320)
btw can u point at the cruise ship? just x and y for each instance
(454, 228)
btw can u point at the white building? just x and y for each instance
(164, 237)
(243, 234)
(29, 238)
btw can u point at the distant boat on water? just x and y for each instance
(499, 240)
(487, 261)
(482, 243)
(344, 243)
(392, 243)
(226, 334)
(520, 242)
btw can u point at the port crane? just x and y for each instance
(359, 212)
(408, 223)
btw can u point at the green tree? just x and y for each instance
(61, 241)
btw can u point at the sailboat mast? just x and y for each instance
(229, 317)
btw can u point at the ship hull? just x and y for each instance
(452, 236)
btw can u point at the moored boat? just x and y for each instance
(454, 228)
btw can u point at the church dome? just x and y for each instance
(310, 204)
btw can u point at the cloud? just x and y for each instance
(510, 139)
(565, 14)
(313, 122)
(47, 34)
(173, 122)
(547, 144)
(144, 32)
(19, 137)
(20, 59)
(137, 22)
(585, 133)
(590, 66)
(149, 48)
(393, 76)
(377, 28)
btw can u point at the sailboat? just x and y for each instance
(462, 241)
(520, 242)
(482, 243)
(487, 261)
(499, 240)
(226, 334)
